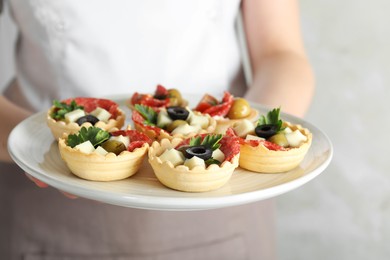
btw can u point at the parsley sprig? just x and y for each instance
(272, 118)
(61, 108)
(211, 141)
(147, 113)
(93, 134)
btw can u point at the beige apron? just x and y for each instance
(43, 224)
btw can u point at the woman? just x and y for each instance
(97, 48)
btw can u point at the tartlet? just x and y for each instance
(161, 98)
(59, 126)
(198, 178)
(276, 152)
(228, 111)
(107, 166)
(146, 120)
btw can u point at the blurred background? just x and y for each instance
(345, 212)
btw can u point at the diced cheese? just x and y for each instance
(163, 119)
(101, 150)
(253, 137)
(199, 120)
(194, 161)
(287, 130)
(85, 147)
(186, 129)
(174, 156)
(124, 139)
(218, 155)
(74, 115)
(101, 114)
(243, 128)
(295, 138)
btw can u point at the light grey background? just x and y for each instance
(344, 213)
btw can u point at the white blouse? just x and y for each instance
(100, 47)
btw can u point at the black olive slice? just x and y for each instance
(88, 118)
(177, 113)
(200, 151)
(266, 131)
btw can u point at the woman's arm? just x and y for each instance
(10, 116)
(282, 75)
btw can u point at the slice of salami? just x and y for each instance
(230, 145)
(139, 120)
(206, 102)
(137, 139)
(161, 92)
(254, 143)
(219, 109)
(91, 104)
(158, 100)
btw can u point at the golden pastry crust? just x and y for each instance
(262, 160)
(157, 133)
(182, 178)
(97, 167)
(58, 128)
(225, 123)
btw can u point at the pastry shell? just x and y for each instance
(225, 123)
(182, 178)
(58, 128)
(156, 133)
(260, 159)
(97, 167)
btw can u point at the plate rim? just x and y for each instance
(165, 202)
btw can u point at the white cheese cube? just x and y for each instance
(124, 139)
(101, 150)
(101, 114)
(218, 155)
(194, 161)
(244, 127)
(295, 138)
(287, 130)
(163, 119)
(74, 115)
(85, 147)
(174, 156)
(202, 121)
(254, 137)
(186, 129)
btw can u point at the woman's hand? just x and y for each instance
(41, 184)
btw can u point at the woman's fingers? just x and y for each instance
(41, 184)
(68, 195)
(37, 182)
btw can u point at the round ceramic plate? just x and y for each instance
(33, 148)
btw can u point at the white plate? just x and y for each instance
(32, 147)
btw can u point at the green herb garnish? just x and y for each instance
(272, 118)
(212, 161)
(93, 134)
(211, 141)
(62, 108)
(148, 114)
